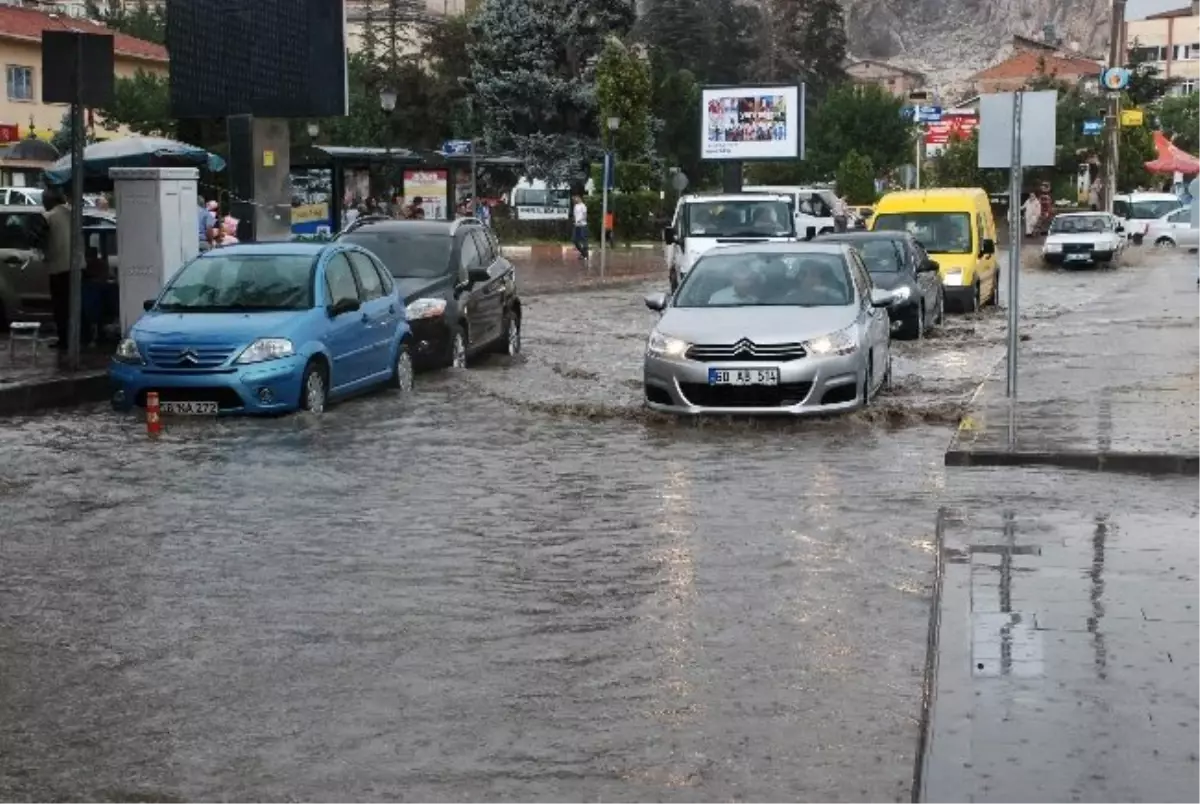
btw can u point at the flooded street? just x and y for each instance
(516, 584)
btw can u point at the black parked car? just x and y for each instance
(897, 262)
(460, 291)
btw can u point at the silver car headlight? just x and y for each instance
(1052, 248)
(128, 352)
(266, 349)
(425, 308)
(902, 293)
(661, 345)
(842, 342)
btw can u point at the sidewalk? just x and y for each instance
(537, 276)
(28, 387)
(1064, 652)
(1116, 390)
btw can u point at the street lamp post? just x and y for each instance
(613, 123)
(387, 102)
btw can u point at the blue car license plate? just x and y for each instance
(768, 376)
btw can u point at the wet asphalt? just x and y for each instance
(516, 584)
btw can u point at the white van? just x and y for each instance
(704, 222)
(1136, 211)
(814, 206)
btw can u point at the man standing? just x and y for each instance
(57, 254)
(580, 234)
(205, 221)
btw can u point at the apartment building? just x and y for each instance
(21, 54)
(1170, 39)
(896, 80)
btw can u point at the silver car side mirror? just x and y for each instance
(656, 302)
(882, 298)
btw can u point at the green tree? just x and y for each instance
(137, 18)
(532, 66)
(141, 103)
(624, 91)
(1147, 83)
(62, 137)
(1179, 118)
(958, 166)
(1136, 149)
(862, 118)
(856, 179)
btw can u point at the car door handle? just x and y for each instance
(391, 309)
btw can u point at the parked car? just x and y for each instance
(898, 263)
(267, 328)
(459, 290)
(1077, 239)
(955, 225)
(24, 283)
(1136, 211)
(1174, 229)
(789, 328)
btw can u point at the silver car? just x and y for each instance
(775, 328)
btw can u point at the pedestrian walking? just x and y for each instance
(205, 221)
(579, 232)
(57, 257)
(1094, 195)
(484, 213)
(1032, 209)
(841, 214)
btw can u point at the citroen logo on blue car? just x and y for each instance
(188, 357)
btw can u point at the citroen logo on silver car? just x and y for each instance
(743, 346)
(187, 356)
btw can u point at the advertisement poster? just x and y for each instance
(750, 123)
(961, 125)
(430, 185)
(311, 191)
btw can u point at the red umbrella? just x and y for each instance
(1171, 158)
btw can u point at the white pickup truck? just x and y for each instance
(704, 222)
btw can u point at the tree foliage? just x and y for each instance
(137, 18)
(863, 118)
(856, 178)
(62, 137)
(1179, 117)
(141, 103)
(1136, 149)
(533, 69)
(1147, 83)
(958, 166)
(623, 91)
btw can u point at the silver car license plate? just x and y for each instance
(768, 376)
(190, 408)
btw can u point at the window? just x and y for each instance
(407, 253)
(486, 257)
(385, 278)
(368, 280)
(1187, 87)
(861, 275)
(1149, 53)
(20, 82)
(1182, 216)
(491, 236)
(1187, 52)
(468, 259)
(339, 280)
(242, 282)
(14, 232)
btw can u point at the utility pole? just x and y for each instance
(1116, 50)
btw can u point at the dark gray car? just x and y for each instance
(897, 262)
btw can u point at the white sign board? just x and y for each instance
(1039, 129)
(752, 123)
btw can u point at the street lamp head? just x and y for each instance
(387, 99)
(313, 130)
(614, 123)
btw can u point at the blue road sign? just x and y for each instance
(906, 113)
(1093, 126)
(929, 114)
(456, 147)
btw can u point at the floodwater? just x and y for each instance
(514, 585)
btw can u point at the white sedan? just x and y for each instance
(1083, 238)
(1174, 229)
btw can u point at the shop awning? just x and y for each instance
(1172, 158)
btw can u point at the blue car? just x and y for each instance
(266, 328)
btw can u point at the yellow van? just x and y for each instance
(956, 227)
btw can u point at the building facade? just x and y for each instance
(896, 80)
(1027, 60)
(21, 54)
(1170, 40)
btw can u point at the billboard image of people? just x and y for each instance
(751, 123)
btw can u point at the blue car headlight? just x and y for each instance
(266, 349)
(128, 352)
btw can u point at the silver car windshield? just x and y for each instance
(739, 219)
(767, 280)
(1077, 224)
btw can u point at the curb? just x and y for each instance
(588, 287)
(1137, 463)
(36, 395)
(553, 251)
(932, 645)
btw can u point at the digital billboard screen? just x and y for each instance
(752, 123)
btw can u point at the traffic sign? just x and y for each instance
(1093, 126)
(906, 113)
(1114, 79)
(929, 114)
(1132, 118)
(455, 147)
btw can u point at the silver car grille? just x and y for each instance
(188, 357)
(746, 350)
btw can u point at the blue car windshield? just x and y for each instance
(224, 283)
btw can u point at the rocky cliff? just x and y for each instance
(949, 40)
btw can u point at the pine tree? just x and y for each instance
(823, 45)
(533, 66)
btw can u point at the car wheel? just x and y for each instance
(458, 349)
(1164, 242)
(510, 341)
(3, 318)
(1137, 239)
(674, 280)
(994, 296)
(940, 318)
(314, 388)
(402, 372)
(867, 383)
(975, 303)
(913, 328)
